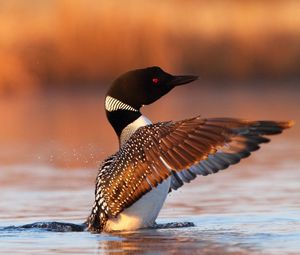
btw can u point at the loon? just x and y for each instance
(154, 159)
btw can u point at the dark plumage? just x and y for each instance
(179, 150)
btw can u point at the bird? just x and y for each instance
(156, 158)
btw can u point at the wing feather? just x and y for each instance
(180, 150)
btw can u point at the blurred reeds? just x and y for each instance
(66, 43)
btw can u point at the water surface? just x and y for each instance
(51, 146)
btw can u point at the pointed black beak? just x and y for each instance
(182, 79)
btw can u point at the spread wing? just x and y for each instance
(182, 150)
(245, 138)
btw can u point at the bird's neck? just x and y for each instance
(121, 118)
(124, 118)
(128, 131)
(125, 123)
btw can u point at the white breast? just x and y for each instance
(132, 127)
(144, 212)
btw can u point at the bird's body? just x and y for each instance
(143, 213)
(155, 159)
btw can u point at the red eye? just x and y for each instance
(155, 80)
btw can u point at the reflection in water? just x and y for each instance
(168, 242)
(215, 234)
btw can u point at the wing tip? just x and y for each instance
(285, 124)
(289, 124)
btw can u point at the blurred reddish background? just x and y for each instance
(247, 54)
(53, 43)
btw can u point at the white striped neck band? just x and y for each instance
(113, 104)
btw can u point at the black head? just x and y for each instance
(144, 86)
